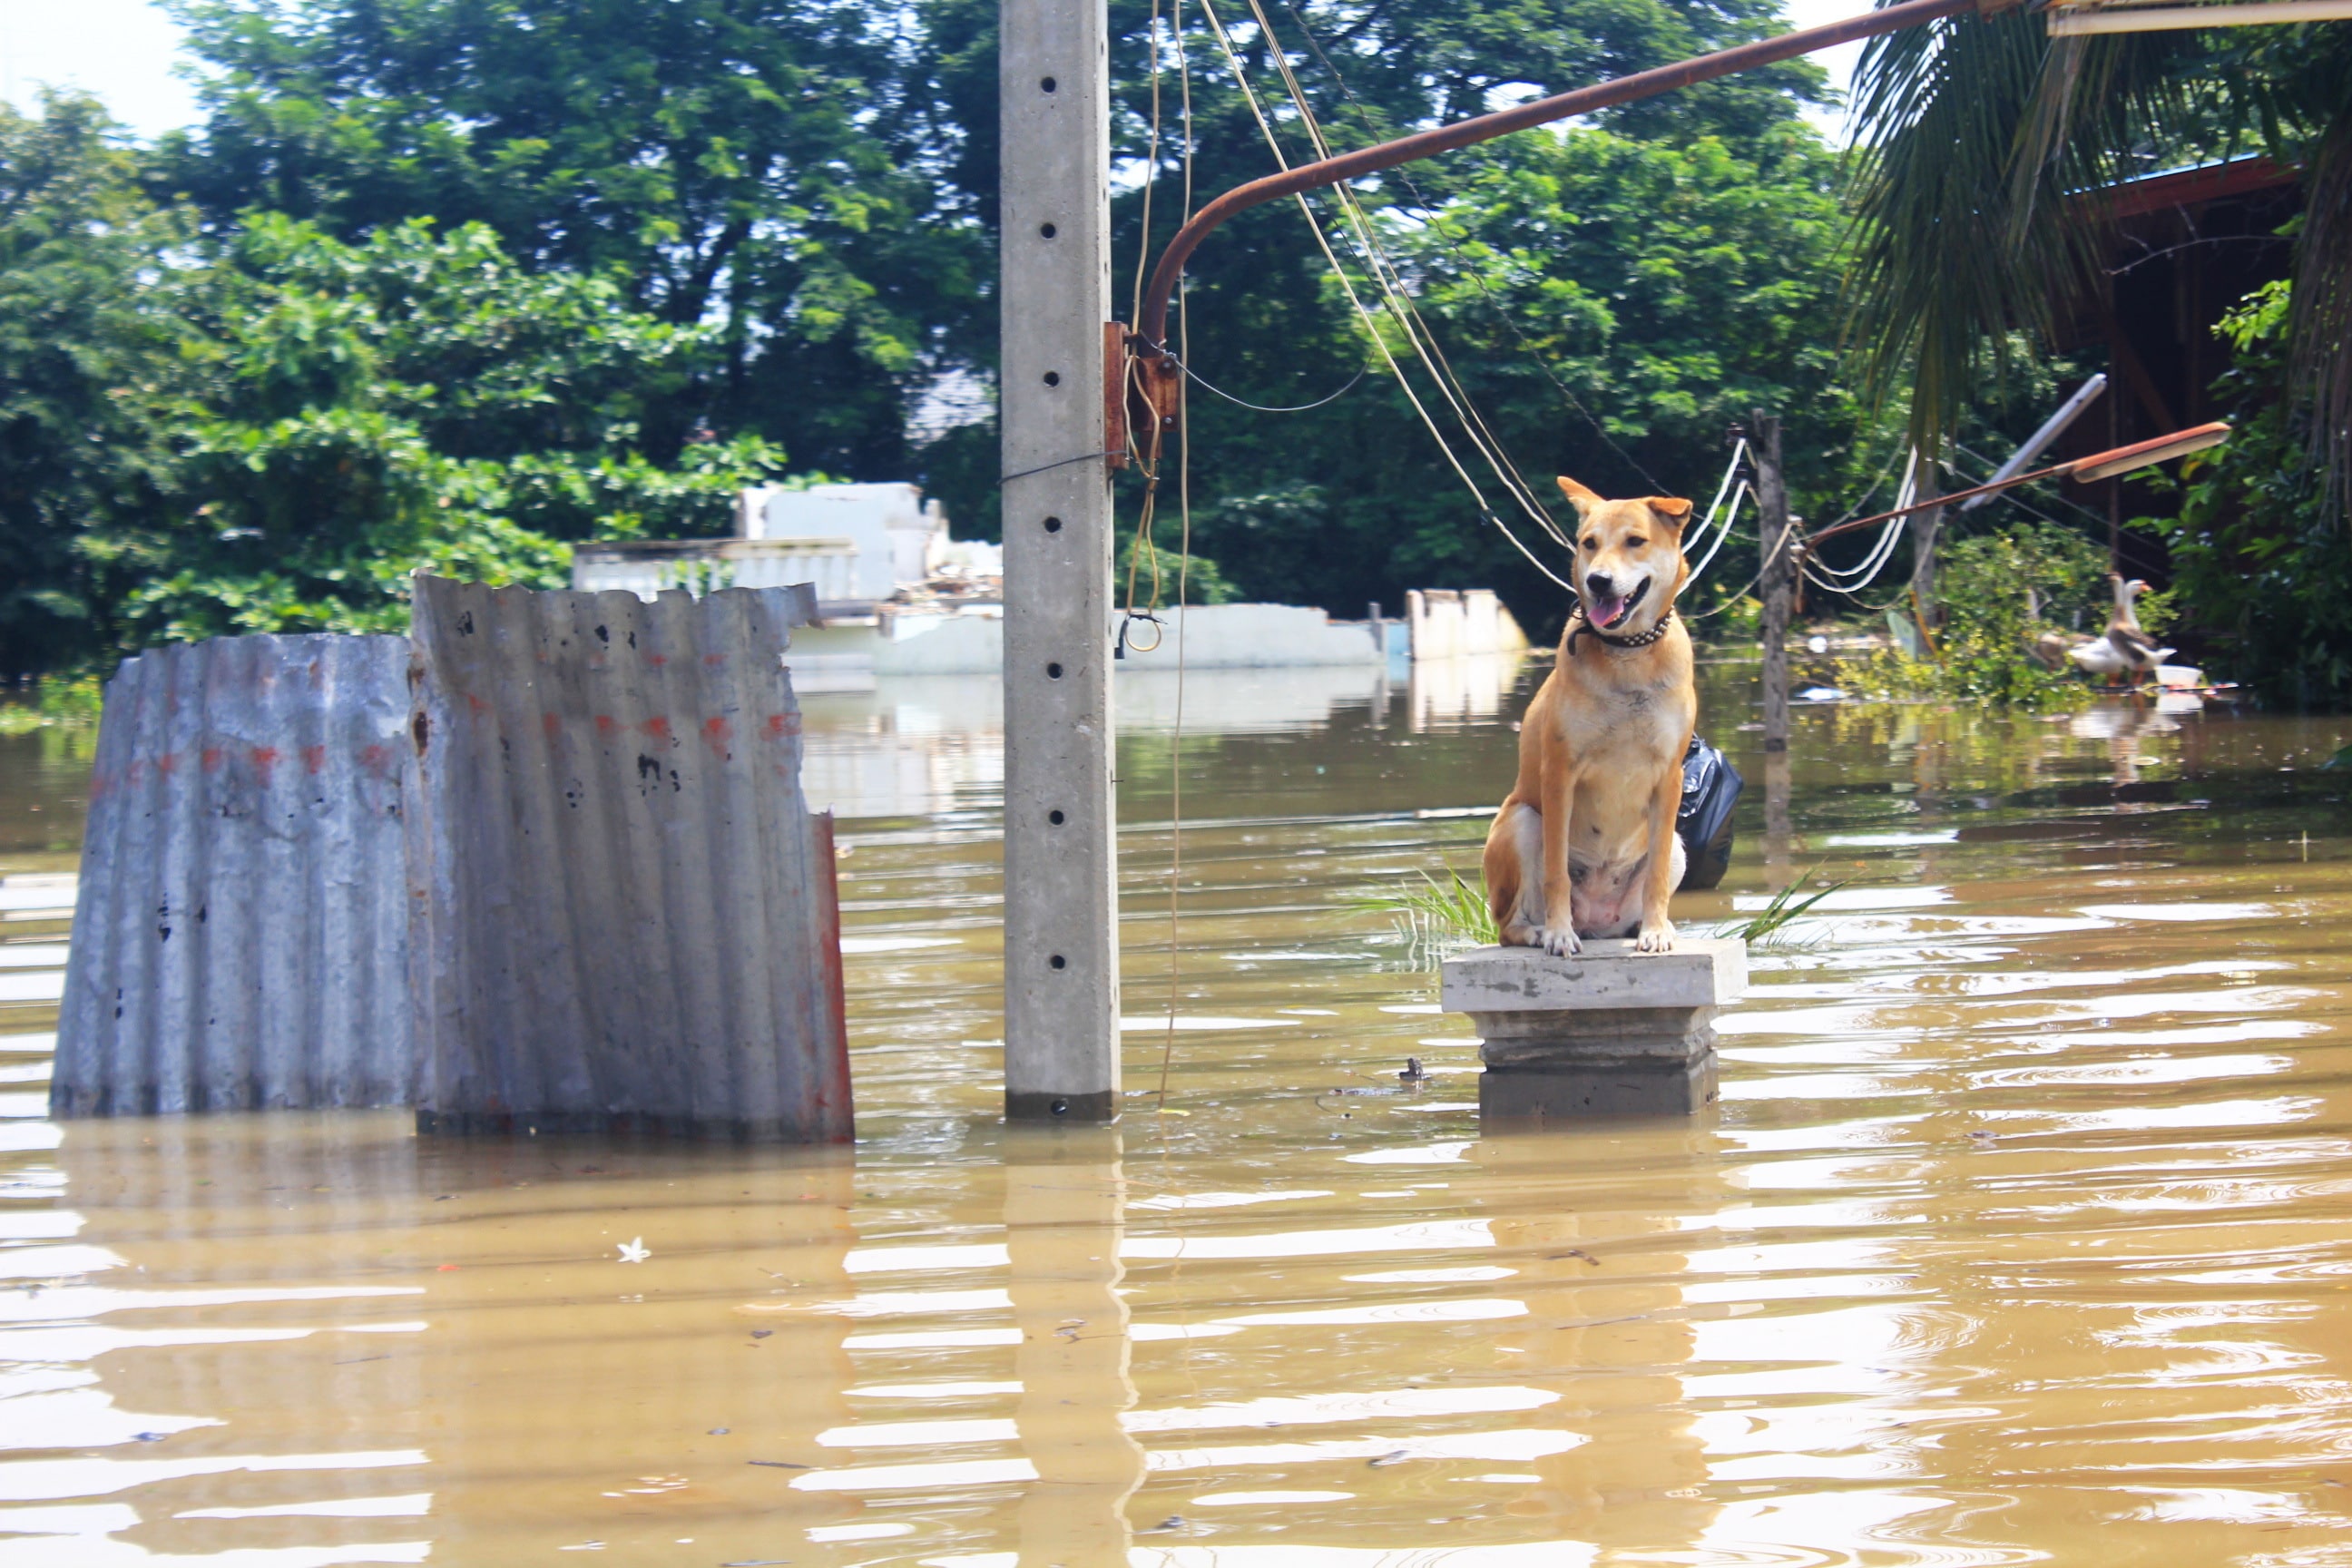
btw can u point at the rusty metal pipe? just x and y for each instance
(2097, 466)
(1153, 327)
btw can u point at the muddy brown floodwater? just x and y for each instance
(2023, 1231)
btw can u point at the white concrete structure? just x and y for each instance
(1446, 623)
(645, 567)
(858, 543)
(1608, 1032)
(896, 536)
(969, 639)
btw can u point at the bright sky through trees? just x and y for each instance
(125, 51)
(122, 50)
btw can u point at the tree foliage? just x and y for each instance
(1982, 135)
(2259, 553)
(2005, 589)
(757, 165)
(80, 357)
(272, 432)
(454, 282)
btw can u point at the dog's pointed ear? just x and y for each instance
(1583, 500)
(1672, 510)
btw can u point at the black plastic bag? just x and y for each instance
(1703, 822)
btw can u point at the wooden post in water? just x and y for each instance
(1061, 905)
(1924, 525)
(1779, 581)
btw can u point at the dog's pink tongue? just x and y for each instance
(1607, 612)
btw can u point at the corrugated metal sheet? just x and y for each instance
(632, 924)
(241, 936)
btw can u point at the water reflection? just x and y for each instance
(1064, 1202)
(1611, 1326)
(935, 744)
(2016, 1235)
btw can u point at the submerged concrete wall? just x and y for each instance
(631, 922)
(240, 941)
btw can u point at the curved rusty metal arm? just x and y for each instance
(1152, 329)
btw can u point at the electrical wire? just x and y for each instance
(1399, 303)
(1821, 571)
(2011, 495)
(1183, 577)
(1787, 534)
(1716, 516)
(1380, 342)
(1722, 533)
(1202, 382)
(1430, 213)
(1146, 464)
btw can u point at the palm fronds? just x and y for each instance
(1978, 139)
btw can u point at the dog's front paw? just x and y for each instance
(1659, 938)
(1560, 941)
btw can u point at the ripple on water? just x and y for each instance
(2017, 1235)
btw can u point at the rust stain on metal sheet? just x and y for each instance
(626, 933)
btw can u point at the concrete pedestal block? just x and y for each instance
(1609, 1031)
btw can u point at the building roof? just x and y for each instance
(2194, 186)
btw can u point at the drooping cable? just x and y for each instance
(1717, 518)
(1347, 284)
(1398, 302)
(1146, 463)
(1203, 383)
(1721, 534)
(1430, 213)
(1183, 577)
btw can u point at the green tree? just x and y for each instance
(1353, 501)
(2258, 555)
(271, 428)
(81, 354)
(1978, 134)
(1612, 304)
(754, 166)
(350, 414)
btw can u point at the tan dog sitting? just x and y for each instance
(1585, 844)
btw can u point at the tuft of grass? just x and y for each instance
(1436, 919)
(1764, 927)
(19, 720)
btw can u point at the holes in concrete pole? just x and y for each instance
(1053, 672)
(1059, 1107)
(1052, 378)
(1058, 962)
(1047, 231)
(1053, 525)
(1046, 84)
(1056, 818)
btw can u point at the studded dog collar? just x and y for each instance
(1639, 639)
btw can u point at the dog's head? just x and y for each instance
(1628, 557)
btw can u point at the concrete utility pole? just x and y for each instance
(1778, 585)
(1061, 904)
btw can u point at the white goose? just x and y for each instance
(2123, 650)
